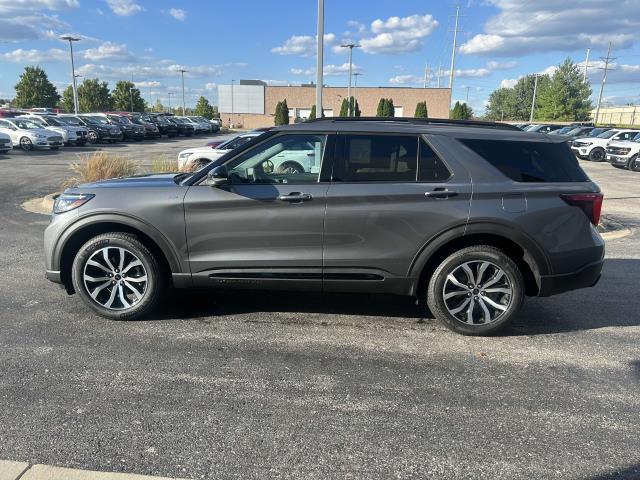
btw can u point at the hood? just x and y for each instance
(41, 131)
(141, 181)
(624, 144)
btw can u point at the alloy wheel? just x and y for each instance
(115, 278)
(26, 144)
(478, 292)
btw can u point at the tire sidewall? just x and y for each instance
(436, 284)
(634, 164)
(597, 149)
(154, 281)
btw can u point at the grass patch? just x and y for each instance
(100, 166)
(164, 164)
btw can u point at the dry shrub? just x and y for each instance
(164, 164)
(101, 166)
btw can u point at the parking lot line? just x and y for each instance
(19, 470)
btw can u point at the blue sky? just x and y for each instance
(217, 41)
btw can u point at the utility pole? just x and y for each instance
(232, 112)
(607, 59)
(131, 98)
(169, 93)
(182, 72)
(586, 66)
(355, 86)
(319, 59)
(74, 84)
(467, 100)
(439, 74)
(453, 50)
(350, 46)
(426, 76)
(533, 101)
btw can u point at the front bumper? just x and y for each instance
(617, 159)
(581, 152)
(586, 277)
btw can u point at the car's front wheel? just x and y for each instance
(476, 291)
(93, 137)
(26, 144)
(117, 276)
(597, 154)
(634, 164)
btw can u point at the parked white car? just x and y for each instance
(30, 135)
(70, 134)
(199, 126)
(5, 143)
(594, 148)
(201, 156)
(624, 154)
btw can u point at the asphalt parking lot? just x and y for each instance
(276, 385)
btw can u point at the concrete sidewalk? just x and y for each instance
(23, 471)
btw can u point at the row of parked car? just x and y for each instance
(618, 146)
(37, 130)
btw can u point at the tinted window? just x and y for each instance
(377, 158)
(431, 169)
(530, 161)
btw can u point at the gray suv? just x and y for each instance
(468, 217)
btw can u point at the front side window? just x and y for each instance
(282, 159)
(625, 136)
(377, 158)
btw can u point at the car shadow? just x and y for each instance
(605, 305)
(629, 473)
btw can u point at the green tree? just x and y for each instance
(281, 113)
(501, 105)
(35, 90)
(312, 114)
(381, 107)
(567, 96)
(461, 111)
(204, 108)
(94, 96)
(523, 95)
(66, 102)
(344, 108)
(354, 107)
(158, 106)
(389, 110)
(421, 110)
(126, 97)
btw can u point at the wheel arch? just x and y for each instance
(529, 258)
(82, 231)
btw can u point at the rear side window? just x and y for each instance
(377, 158)
(530, 161)
(432, 169)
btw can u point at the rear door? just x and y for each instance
(389, 195)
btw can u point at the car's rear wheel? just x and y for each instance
(597, 154)
(476, 291)
(290, 167)
(26, 144)
(117, 276)
(634, 164)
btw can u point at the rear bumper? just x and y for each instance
(587, 276)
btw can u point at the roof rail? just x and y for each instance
(420, 121)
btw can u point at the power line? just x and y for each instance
(606, 60)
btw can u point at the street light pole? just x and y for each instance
(169, 93)
(182, 72)
(533, 101)
(355, 86)
(232, 112)
(350, 46)
(319, 59)
(74, 84)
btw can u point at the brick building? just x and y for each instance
(252, 103)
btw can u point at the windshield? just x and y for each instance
(101, 120)
(596, 131)
(636, 138)
(26, 124)
(70, 121)
(607, 134)
(120, 120)
(565, 130)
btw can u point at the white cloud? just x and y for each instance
(210, 86)
(157, 70)
(547, 25)
(473, 72)
(303, 45)
(147, 84)
(509, 82)
(10, 7)
(303, 71)
(109, 51)
(406, 79)
(398, 34)
(124, 8)
(493, 65)
(329, 70)
(35, 56)
(178, 14)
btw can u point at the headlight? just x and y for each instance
(585, 144)
(39, 135)
(70, 201)
(184, 155)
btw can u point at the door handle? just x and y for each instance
(441, 193)
(296, 197)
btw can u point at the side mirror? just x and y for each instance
(217, 176)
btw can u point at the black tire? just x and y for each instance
(634, 164)
(290, 167)
(154, 284)
(597, 155)
(54, 148)
(26, 144)
(93, 137)
(480, 253)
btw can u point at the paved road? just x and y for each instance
(260, 385)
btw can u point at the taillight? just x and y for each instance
(589, 203)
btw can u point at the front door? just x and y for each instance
(264, 229)
(390, 194)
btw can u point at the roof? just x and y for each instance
(457, 128)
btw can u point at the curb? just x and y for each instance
(23, 471)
